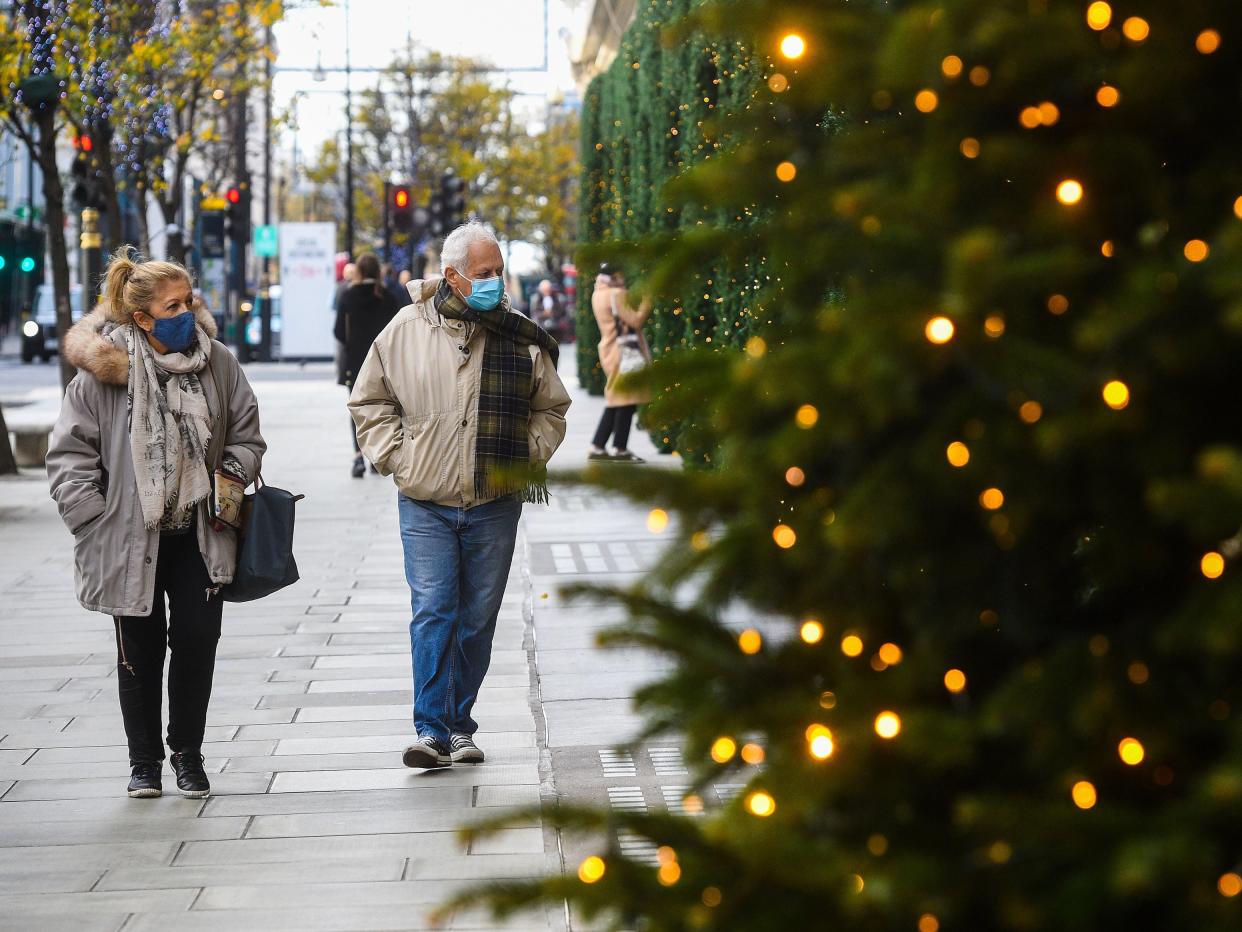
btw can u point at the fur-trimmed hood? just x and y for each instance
(95, 344)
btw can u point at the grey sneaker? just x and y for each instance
(427, 753)
(464, 750)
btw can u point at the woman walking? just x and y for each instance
(156, 409)
(364, 310)
(621, 334)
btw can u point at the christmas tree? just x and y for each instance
(977, 468)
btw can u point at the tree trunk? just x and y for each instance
(54, 196)
(106, 173)
(8, 462)
(144, 225)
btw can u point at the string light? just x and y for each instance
(928, 923)
(1131, 751)
(1137, 673)
(812, 631)
(1196, 250)
(992, 499)
(807, 417)
(939, 330)
(760, 804)
(1069, 192)
(669, 873)
(887, 725)
(954, 680)
(890, 653)
(591, 869)
(926, 100)
(786, 171)
(951, 65)
(1058, 304)
(819, 738)
(1136, 29)
(723, 750)
(778, 83)
(1031, 411)
(957, 453)
(793, 46)
(1099, 15)
(785, 536)
(994, 326)
(752, 754)
(712, 897)
(1116, 394)
(857, 882)
(1229, 885)
(750, 641)
(851, 645)
(657, 520)
(1030, 118)
(1107, 96)
(877, 844)
(1083, 794)
(1106, 249)
(1212, 565)
(970, 147)
(756, 347)
(1237, 208)
(1207, 41)
(979, 75)
(795, 476)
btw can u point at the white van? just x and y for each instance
(39, 336)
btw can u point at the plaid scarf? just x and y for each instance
(503, 418)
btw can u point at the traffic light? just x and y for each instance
(237, 217)
(28, 264)
(453, 190)
(401, 208)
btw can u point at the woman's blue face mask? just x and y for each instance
(176, 332)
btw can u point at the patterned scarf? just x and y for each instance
(503, 418)
(169, 428)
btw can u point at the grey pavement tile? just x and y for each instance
(397, 711)
(219, 714)
(310, 849)
(509, 841)
(34, 880)
(169, 808)
(371, 822)
(591, 721)
(506, 796)
(212, 750)
(330, 894)
(561, 686)
(402, 918)
(24, 673)
(395, 742)
(392, 800)
(479, 775)
(514, 686)
(396, 647)
(282, 763)
(101, 733)
(5, 786)
(96, 921)
(82, 857)
(308, 700)
(133, 828)
(85, 904)
(233, 875)
(476, 867)
(41, 660)
(221, 783)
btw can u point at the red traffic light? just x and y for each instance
(233, 196)
(83, 142)
(401, 197)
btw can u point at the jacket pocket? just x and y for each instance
(425, 467)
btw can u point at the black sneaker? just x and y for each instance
(359, 469)
(145, 782)
(427, 753)
(464, 750)
(191, 778)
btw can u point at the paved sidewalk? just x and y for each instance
(313, 823)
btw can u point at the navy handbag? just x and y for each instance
(265, 560)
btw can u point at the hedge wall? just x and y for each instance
(645, 121)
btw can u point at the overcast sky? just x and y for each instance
(507, 33)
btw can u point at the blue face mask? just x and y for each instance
(485, 293)
(177, 333)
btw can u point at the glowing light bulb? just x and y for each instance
(591, 869)
(752, 754)
(928, 923)
(793, 46)
(795, 476)
(954, 680)
(1196, 250)
(887, 725)
(939, 330)
(994, 325)
(750, 641)
(1131, 751)
(926, 100)
(657, 520)
(1069, 192)
(1030, 118)
(1099, 15)
(1207, 41)
(851, 645)
(970, 147)
(1083, 794)
(992, 499)
(786, 171)
(1212, 565)
(1058, 304)
(951, 66)
(723, 750)
(812, 631)
(1107, 96)
(1229, 885)
(807, 417)
(669, 873)
(1116, 394)
(785, 536)
(1136, 29)
(890, 653)
(957, 453)
(760, 804)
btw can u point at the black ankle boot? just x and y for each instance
(360, 468)
(145, 782)
(191, 778)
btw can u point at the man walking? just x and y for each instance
(459, 401)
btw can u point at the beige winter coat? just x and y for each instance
(417, 394)
(91, 470)
(604, 299)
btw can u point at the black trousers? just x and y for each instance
(191, 628)
(353, 427)
(615, 421)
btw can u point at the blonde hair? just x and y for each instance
(131, 283)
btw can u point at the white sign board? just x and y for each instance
(307, 285)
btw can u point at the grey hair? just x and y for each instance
(457, 245)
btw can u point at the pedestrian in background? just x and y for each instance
(349, 277)
(365, 309)
(619, 325)
(157, 408)
(455, 392)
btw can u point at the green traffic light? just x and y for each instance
(2, 262)
(28, 264)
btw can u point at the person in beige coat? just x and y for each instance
(618, 322)
(459, 401)
(156, 407)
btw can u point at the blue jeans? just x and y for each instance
(457, 563)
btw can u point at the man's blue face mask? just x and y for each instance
(177, 332)
(485, 293)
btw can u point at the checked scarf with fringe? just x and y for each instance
(502, 448)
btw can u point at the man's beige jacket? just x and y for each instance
(417, 395)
